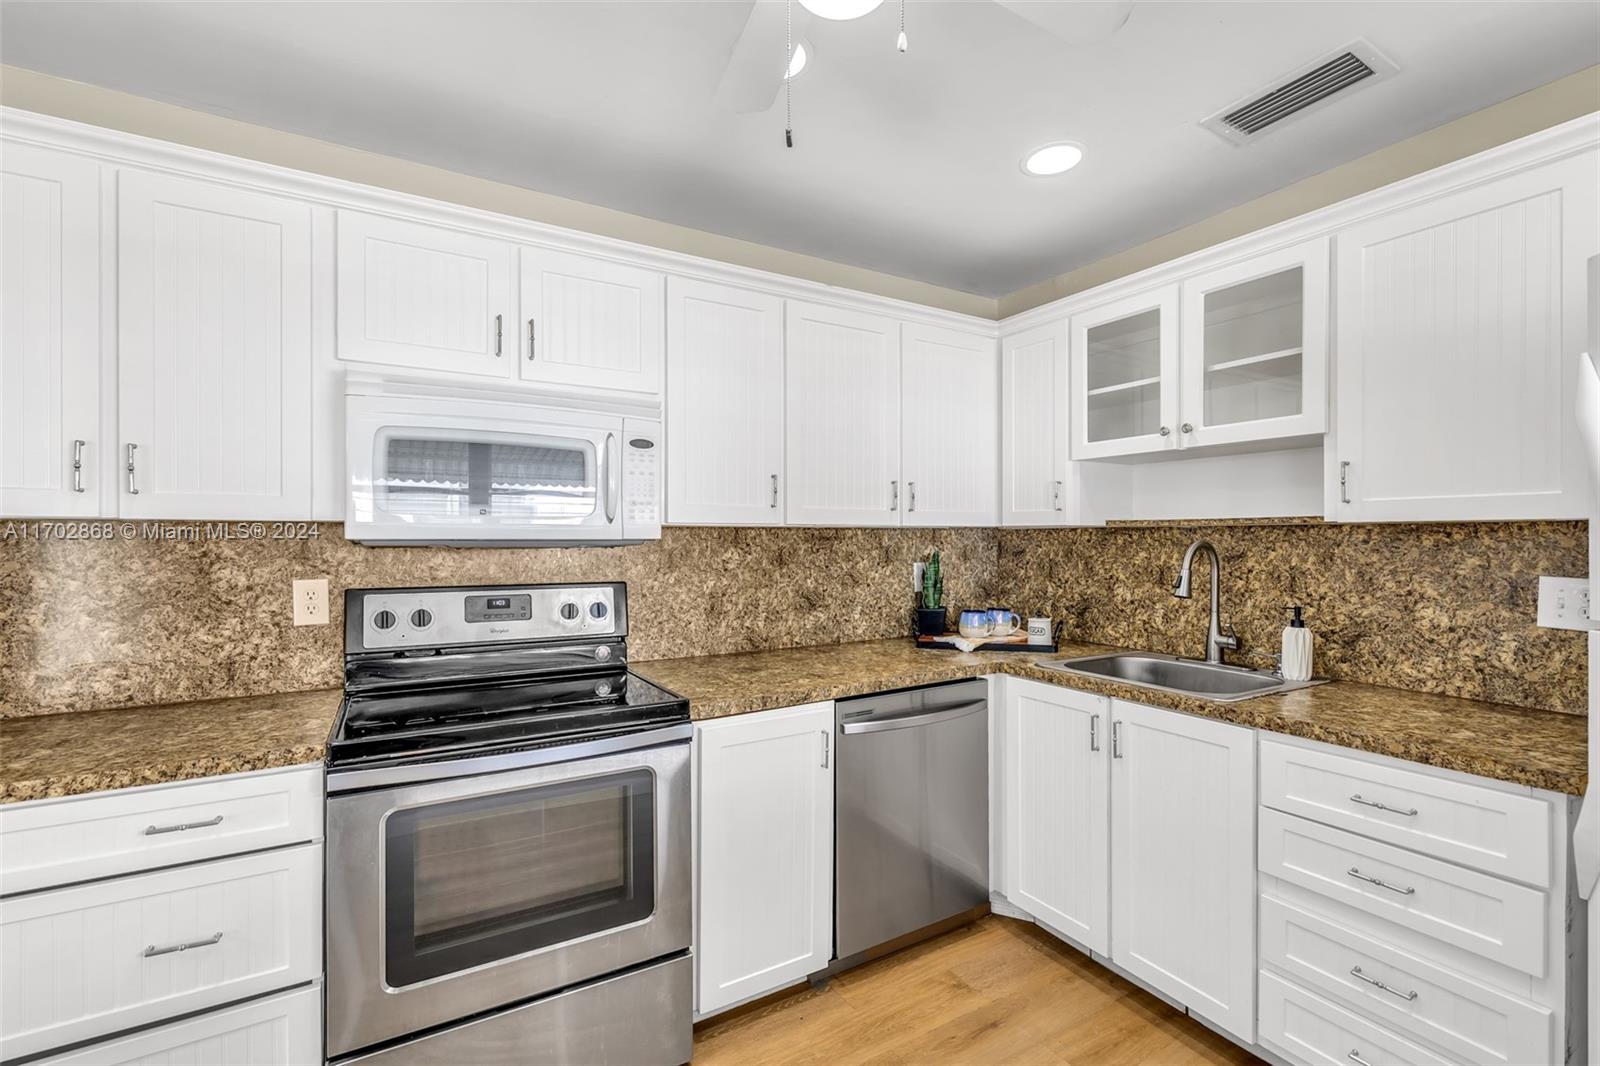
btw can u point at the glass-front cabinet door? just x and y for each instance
(1254, 349)
(1125, 376)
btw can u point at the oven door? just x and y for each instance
(448, 470)
(450, 897)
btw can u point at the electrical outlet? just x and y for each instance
(1564, 603)
(916, 576)
(311, 601)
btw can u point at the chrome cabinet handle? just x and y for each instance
(499, 334)
(611, 477)
(1094, 732)
(1187, 427)
(911, 493)
(894, 495)
(1355, 971)
(1055, 497)
(1412, 813)
(1344, 482)
(152, 950)
(1165, 431)
(77, 465)
(133, 484)
(1380, 882)
(1116, 739)
(153, 830)
(774, 504)
(1355, 1057)
(827, 739)
(533, 345)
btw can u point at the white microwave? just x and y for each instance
(448, 466)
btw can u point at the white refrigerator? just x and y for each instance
(1586, 835)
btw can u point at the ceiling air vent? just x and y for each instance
(1301, 92)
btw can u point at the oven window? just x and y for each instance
(548, 479)
(475, 880)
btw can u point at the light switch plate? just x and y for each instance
(916, 576)
(311, 601)
(1564, 603)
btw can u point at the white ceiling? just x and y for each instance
(903, 163)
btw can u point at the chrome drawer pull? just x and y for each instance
(77, 465)
(1094, 732)
(152, 830)
(1355, 971)
(1412, 813)
(152, 950)
(1358, 875)
(1355, 1056)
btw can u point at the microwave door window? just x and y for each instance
(546, 481)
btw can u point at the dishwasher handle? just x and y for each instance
(948, 713)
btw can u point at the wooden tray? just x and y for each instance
(1017, 641)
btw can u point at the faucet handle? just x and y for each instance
(1230, 640)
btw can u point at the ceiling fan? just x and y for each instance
(755, 71)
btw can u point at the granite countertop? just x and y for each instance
(1543, 749)
(90, 751)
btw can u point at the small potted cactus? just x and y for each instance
(931, 614)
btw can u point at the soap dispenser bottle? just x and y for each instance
(1296, 648)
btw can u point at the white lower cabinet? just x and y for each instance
(764, 852)
(1309, 1029)
(281, 1030)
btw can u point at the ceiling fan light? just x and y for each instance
(1051, 159)
(840, 10)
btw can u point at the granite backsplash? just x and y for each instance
(1438, 608)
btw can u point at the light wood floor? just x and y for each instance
(996, 991)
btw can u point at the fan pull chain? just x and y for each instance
(900, 42)
(788, 99)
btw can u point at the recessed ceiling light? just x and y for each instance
(1052, 159)
(840, 10)
(797, 62)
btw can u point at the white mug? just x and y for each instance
(1038, 631)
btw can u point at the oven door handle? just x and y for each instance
(611, 478)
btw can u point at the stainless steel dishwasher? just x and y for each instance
(911, 811)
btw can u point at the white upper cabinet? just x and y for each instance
(949, 411)
(51, 462)
(1254, 349)
(412, 295)
(1125, 376)
(1460, 328)
(214, 347)
(842, 403)
(1036, 478)
(589, 323)
(724, 405)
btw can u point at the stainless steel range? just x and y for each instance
(508, 834)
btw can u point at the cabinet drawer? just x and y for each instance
(283, 1030)
(1497, 832)
(1481, 914)
(59, 842)
(78, 963)
(1309, 1029)
(1474, 1023)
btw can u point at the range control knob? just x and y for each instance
(422, 618)
(602, 688)
(568, 611)
(598, 610)
(602, 653)
(384, 620)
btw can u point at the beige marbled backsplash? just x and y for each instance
(93, 624)
(1434, 608)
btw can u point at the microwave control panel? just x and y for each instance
(641, 479)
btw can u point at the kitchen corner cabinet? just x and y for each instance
(842, 417)
(425, 297)
(764, 852)
(1183, 844)
(51, 448)
(724, 404)
(1038, 485)
(1461, 326)
(950, 451)
(214, 350)
(589, 323)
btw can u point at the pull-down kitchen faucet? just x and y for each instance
(1216, 641)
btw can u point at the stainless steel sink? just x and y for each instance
(1188, 677)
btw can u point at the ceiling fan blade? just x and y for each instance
(754, 73)
(1074, 21)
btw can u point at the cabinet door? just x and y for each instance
(420, 296)
(50, 337)
(1183, 860)
(1255, 349)
(1057, 814)
(842, 399)
(1461, 327)
(590, 323)
(214, 335)
(724, 405)
(1125, 376)
(765, 847)
(950, 422)
(1033, 425)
